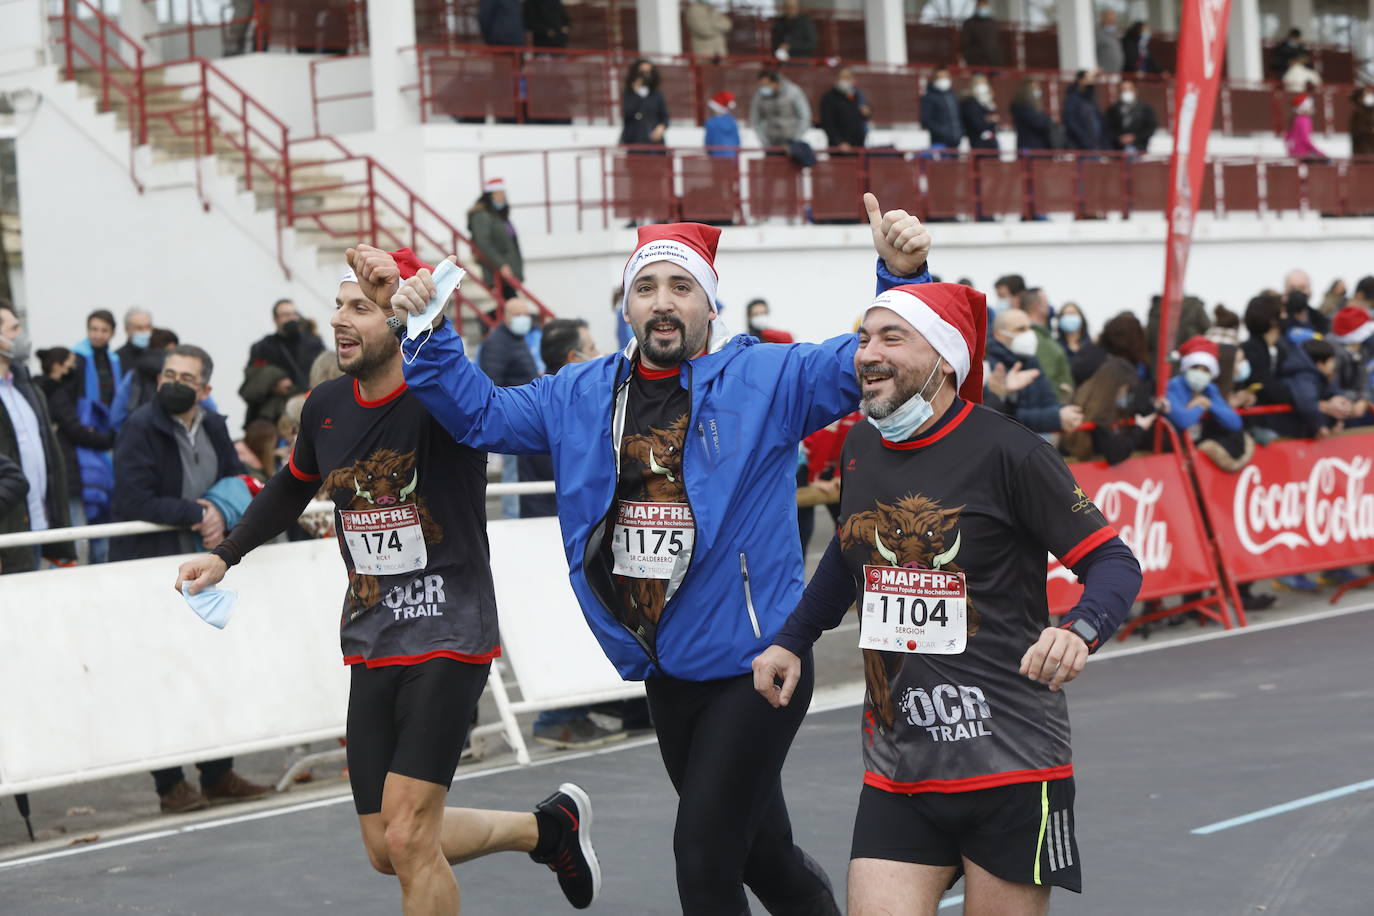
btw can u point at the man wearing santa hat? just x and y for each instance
(675, 462)
(419, 627)
(947, 513)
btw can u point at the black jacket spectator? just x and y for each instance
(1034, 128)
(1137, 51)
(501, 22)
(506, 359)
(14, 486)
(148, 468)
(547, 22)
(1082, 120)
(1308, 386)
(1285, 52)
(940, 116)
(641, 115)
(1362, 121)
(980, 43)
(1034, 406)
(1301, 314)
(978, 124)
(71, 434)
(273, 358)
(798, 33)
(20, 559)
(842, 119)
(1139, 120)
(1266, 374)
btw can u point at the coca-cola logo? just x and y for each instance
(1329, 507)
(1131, 510)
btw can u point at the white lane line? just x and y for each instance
(839, 697)
(1284, 808)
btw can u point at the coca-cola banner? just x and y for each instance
(1299, 506)
(1150, 503)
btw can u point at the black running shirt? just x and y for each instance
(411, 524)
(988, 498)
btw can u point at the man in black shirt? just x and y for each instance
(279, 364)
(419, 616)
(947, 513)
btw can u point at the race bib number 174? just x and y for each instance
(921, 611)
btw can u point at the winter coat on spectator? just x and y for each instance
(14, 486)
(547, 22)
(1034, 406)
(1266, 380)
(501, 22)
(20, 559)
(129, 355)
(1307, 386)
(1111, 57)
(1083, 120)
(979, 42)
(506, 359)
(842, 118)
(977, 121)
(723, 130)
(708, 26)
(1299, 77)
(783, 118)
(1283, 55)
(1183, 417)
(1361, 128)
(1054, 363)
(148, 462)
(294, 356)
(1137, 57)
(641, 114)
(940, 116)
(1138, 120)
(1193, 321)
(71, 433)
(798, 33)
(99, 373)
(139, 384)
(1034, 128)
(494, 235)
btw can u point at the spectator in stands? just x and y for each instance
(1111, 57)
(60, 385)
(643, 108)
(1300, 77)
(98, 374)
(1082, 118)
(324, 368)
(779, 112)
(1298, 139)
(761, 323)
(494, 236)
(1124, 337)
(27, 439)
(845, 113)
(979, 40)
(722, 130)
(1266, 351)
(1362, 121)
(1198, 409)
(1364, 294)
(1130, 122)
(1106, 399)
(794, 34)
(1335, 298)
(236, 30)
(1012, 346)
(978, 115)
(502, 23)
(1008, 287)
(1352, 331)
(1073, 336)
(14, 491)
(257, 450)
(141, 375)
(940, 112)
(1191, 321)
(1034, 127)
(709, 28)
(1310, 376)
(1050, 355)
(1297, 280)
(1002, 382)
(169, 454)
(1135, 49)
(1299, 313)
(1285, 52)
(138, 331)
(279, 364)
(507, 361)
(547, 22)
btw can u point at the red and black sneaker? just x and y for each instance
(572, 857)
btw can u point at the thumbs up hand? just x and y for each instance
(899, 238)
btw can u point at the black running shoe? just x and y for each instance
(573, 860)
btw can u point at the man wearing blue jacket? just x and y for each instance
(675, 464)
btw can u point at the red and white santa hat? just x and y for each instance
(406, 260)
(492, 185)
(722, 101)
(1199, 351)
(691, 246)
(953, 319)
(1352, 325)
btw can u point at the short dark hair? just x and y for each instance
(1222, 317)
(770, 75)
(278, 304)
(162, 338)
(104, 315)
(1365, 288)
(1262, 313)
(1028, 298)
(1015, 283)
(1318, 350)
(561, 337)
(754, 302)
(207, 365)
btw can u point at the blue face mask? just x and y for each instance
(1071, 324)
(902, 423)
(141, 339)
(213, 605)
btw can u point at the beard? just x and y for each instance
(666, 353)
(372, 357)
(906, 384)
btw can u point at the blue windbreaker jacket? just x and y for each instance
(751, 403)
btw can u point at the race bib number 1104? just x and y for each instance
(920, 611)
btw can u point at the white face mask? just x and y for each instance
(981, 92)
(845, 86)
(1368, 100)
(1024, 344)
(642, 91)
(1128, 98)
(903, 422)
(942, 84)
(1241, 374)
(1198, 379)
(760, 321)
(520, 325)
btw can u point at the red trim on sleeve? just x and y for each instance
(417, 659)
(970, 784)
(1087, 546)
(363, 402)
(298, 473)
(935, 437)
(655, 374)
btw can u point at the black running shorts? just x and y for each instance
(410, 720)
(1021, 833)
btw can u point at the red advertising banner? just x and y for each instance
(1201, 50)
(1151, 504)
(1298, 506)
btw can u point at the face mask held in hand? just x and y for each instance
(213, 605)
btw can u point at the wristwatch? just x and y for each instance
(397, 326)
(1083, 630)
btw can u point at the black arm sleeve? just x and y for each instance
(278, 505)
(823, 605)
(1111, 580)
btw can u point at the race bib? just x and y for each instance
(649, 537)
(385, 542)
(921, 611)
